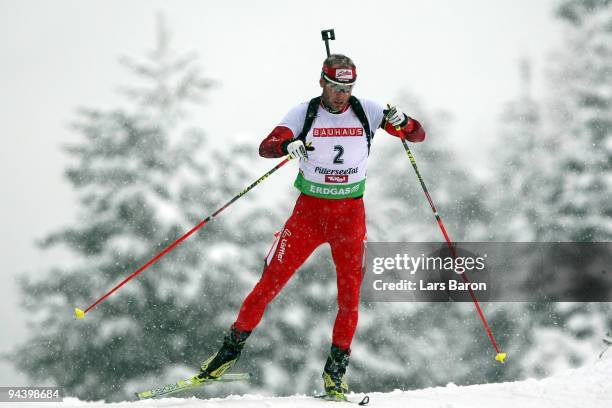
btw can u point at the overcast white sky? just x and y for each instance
(457, 55)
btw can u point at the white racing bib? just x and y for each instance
(336, 168)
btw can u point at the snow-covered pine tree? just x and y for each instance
(144, 175)
(580, 185)
(520, 178)
(583, 118)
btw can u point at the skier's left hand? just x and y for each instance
(395, 116)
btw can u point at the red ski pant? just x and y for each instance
(315, 221)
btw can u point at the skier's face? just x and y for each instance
(335, 96)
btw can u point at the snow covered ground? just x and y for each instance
(586, 387)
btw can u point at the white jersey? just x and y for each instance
(336, 168)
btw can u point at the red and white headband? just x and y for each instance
(340, 76)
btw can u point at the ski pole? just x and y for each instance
(81, 313)
(499, 356)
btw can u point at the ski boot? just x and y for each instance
(334, 379)
(217, 364)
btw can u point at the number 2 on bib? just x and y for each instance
(338, 159)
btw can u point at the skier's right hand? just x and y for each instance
(296, 149)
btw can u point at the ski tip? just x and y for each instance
(78, 313)
(501, 357)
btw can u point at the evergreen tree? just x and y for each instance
(552, 187)
(142, 182)
(579, 197)
(522, 157)
(583, 117)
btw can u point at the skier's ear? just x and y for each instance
(321, 82)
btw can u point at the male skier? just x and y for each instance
(331, 137)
